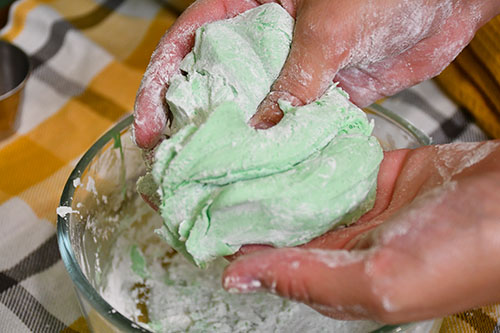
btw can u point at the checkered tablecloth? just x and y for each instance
(88, 58)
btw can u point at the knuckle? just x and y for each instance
(314, 20)
(295, 289)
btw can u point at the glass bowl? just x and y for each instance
(100, 211)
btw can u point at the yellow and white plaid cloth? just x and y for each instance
(88, 58)
(473, 79)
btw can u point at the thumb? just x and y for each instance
(333, 282)
(308, 71)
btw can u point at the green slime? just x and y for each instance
(223, 184)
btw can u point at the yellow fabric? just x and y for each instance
(19, 18)
(473, 79)
(35, 165)
(79, 325)
(474, 321)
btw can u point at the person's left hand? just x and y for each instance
(428, 248)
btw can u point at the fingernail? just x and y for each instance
(275, 96)
(242, 285)
(263, 125)
(253, 121)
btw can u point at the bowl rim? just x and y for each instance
(103, 308)
(401, 122)
(84, 287)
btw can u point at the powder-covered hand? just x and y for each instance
(372, 48)
(428, 248)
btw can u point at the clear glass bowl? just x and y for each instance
(99, 204)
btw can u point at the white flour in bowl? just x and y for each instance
(160, 290)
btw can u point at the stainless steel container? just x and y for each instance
(14, 72)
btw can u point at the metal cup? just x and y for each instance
(14, 71)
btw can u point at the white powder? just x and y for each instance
(180, 297)
(451, 163)
(76, 182)
(338, 258)
(91, 186)
(62, 211)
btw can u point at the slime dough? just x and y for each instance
(223, 184)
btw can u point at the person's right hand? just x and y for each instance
(372, 48)
(427, 249)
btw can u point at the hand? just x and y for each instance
(428, 248)
(372, 49)
(150, 114)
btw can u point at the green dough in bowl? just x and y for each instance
(223, 184)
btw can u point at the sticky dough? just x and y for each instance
(223, 184)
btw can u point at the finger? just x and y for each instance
(389, 171)
(346, 238)
(149, 202)
(247, 249)
(310, 67)
(338, 239)
(306, 276)
(150, 109)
